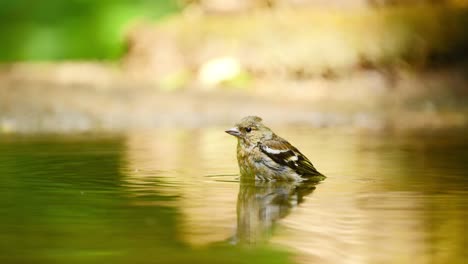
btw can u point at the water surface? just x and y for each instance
(173, 196)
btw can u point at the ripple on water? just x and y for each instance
(387, 199)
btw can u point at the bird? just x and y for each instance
(264, 156)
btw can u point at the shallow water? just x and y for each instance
(173, 196)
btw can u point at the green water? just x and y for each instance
(173, 196)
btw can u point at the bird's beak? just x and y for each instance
(234, 131)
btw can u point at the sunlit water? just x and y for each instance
(173, 196)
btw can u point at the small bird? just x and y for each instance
(262, 155)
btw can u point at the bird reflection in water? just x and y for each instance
(261, 204)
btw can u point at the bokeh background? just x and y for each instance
(115, 65)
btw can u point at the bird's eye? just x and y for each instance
(248, 129)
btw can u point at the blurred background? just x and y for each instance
(119, 64)
(112, 119)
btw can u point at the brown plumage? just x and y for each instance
(262, 155)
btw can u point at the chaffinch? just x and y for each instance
(262, 155)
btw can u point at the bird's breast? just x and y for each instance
(254, 163)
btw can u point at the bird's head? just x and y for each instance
(250, 130)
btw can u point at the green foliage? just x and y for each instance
(74, 29)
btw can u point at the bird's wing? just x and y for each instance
(282, 152)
